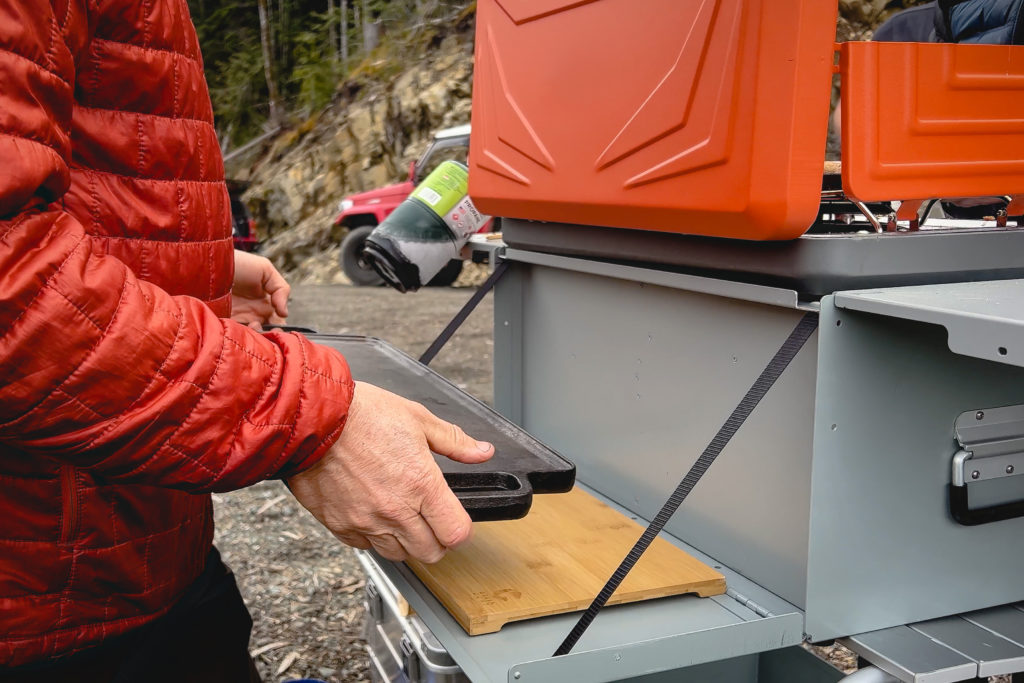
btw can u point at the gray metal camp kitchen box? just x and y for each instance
(866, 492)
(835, 495)
(669, 223)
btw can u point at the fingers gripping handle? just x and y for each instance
(489, 496)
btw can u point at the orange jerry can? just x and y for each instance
(703, 117)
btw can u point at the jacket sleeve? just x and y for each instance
(999, 22)
(105, 371)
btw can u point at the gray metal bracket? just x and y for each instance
(661, 654)
(775, 296)
(983, 319)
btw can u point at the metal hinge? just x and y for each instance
(991, 445)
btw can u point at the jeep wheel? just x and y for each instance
(353, 265)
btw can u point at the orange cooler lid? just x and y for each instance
(703, 117)
(924, 120)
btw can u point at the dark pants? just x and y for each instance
(204, 638)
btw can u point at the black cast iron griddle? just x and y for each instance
(502, 487)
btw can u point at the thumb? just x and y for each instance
(278, 289)
(449, 440)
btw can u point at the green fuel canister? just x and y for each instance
(426, 230)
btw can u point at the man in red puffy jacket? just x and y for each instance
(127, 395)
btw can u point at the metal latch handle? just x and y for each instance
(410, 659)
(961, 511)
(991, 447)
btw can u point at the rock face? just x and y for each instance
(858, 19)
(368, 136)
(363, 141)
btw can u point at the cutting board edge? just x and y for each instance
(492, 623)
(715, 587)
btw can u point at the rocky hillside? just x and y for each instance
(365, 139)
(381, 120)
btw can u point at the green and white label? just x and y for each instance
(444, 188)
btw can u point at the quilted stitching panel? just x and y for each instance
(32, 81)
(143, 145)
(22, 611)
(140, 511)
(26, 583)
(122, 206)
(35, 357)
(38, 500)
(153, 146)
(121, 387)
(146, 160)
(154, 23)
(154, 200)
(163, 83)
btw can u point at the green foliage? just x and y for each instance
(239, 92)
(307, 51)
(317, 69)
(230, 39)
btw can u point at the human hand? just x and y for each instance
(379, 486)
(259, 293)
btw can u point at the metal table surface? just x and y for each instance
(624, 641)
(960, 648)
(984, 319)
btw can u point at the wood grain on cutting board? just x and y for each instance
(555, 560)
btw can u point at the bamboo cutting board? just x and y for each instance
(556, 560)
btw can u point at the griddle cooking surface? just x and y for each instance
(501, 488)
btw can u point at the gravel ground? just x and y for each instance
(304, 588)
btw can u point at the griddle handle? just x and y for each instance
(491, 496)
(958, 508)
(288, 328)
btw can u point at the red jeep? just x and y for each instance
(362, 212)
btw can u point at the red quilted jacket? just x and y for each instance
(125, 397)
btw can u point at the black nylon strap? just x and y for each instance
(463, 313)
(804, 329)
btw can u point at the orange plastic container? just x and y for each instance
(927, 120)
(699, 116)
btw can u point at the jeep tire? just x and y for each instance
(358, 271)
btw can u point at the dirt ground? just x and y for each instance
(304, 588)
